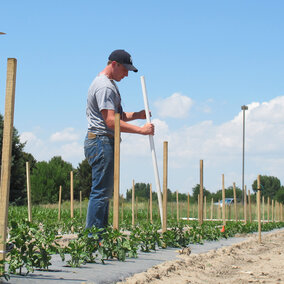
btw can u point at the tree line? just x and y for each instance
(47, 176)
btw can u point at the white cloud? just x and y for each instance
(220, 146)
(175, 106)
(67, 134)
(31, 139)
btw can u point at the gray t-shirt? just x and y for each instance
(102, 94)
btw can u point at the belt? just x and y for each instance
(92, 135)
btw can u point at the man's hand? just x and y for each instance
(148, 129)
(140, 114)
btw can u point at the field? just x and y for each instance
(35, 242)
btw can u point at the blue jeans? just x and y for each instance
(100, 155)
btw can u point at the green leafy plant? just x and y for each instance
(116, 245)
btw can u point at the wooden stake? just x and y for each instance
(272, 210)
(177, 207)
(198, 207)
(71, 198)
(235, 201)
(116, 172)
(136, 208)
(205, 208)
(201, 194)
(268, 209)
(29, 192)
(224, 204)
(219, 210)
(133, 203)
(258, 207)
(263, 208)
(250, 218)
(80, 203)
(165, 186)
(7, 152)
(122, 210)
(212, 206)
(188, 206)
(71, 195)
(59, 203)
(151, 205)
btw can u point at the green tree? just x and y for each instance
(18, 168)
(196, 190)
(280, 195)
(142, 191)
(269, 186)
(229, 193)
(84, 178)
(46, 179)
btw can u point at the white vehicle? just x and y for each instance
(228, 201)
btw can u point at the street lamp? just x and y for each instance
(244, 108)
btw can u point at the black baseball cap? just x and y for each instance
(124, 58)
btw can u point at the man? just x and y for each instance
(103, 102)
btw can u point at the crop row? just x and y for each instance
(34, 244)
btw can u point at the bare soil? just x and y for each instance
(246, 262)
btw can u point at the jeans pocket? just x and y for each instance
(91, 150)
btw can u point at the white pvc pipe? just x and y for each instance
(152, 146)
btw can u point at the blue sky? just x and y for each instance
(201, 60)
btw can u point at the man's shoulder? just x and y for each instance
(101, 81)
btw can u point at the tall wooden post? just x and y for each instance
(272, 210)
(205, 208)
(165, 186)
(59, 203)
(212, 206)
(151, 205)
(245, 205)
(219, 209)
(258, 207)
(263, 208)
(198, 207)
(29, 192)
(133, 203)
(188, 206)
(80, 203)
(122, 209)
(136, 208)
(71, 198)
(249, 202)
(224, 204)
(201, 194)
(7, 152)
(71, 195)
(116, 172)
(235, 201)
(268, 209)
(177, 207)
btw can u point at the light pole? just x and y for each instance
(244, 108)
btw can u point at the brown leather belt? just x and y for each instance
(92, 135)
